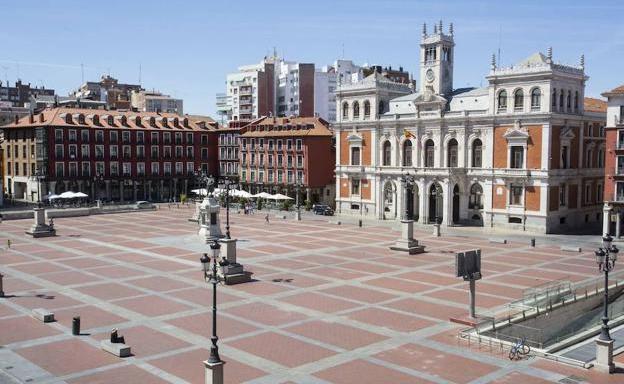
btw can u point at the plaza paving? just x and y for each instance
(330, 304)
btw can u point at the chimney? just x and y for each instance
(16, 119)
(41, 120)
(31, 118)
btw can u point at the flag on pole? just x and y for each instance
(408, 134)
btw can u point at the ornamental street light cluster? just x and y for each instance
(605, 258)
(211, 276)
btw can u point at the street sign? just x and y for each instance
(468, 264)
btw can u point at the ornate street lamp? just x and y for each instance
(39, 175)
(298, 191)
(605, 258)
(213, 278)
(408, 182)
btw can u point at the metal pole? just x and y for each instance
(214, 350)
(604, 334)
(227, 209)
(472, 298)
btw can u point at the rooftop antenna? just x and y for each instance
(6, 76)
(500, 38)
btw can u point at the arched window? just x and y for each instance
(382, 108)
(477, 153)
(407, 153)
(502, 100)
(576, 101)
(366, 109)
(569, 101)
(554, 98)
(599, 196)
(476, 197)
(536, 99)
(429, 154)
(345, 110)
(356, 110)
(387, 153)
(600, 158)
(561, 100)
(518, 100)
(451, 159)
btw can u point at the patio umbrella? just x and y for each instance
(52, 197)
(80, 194)
(67, 195)
(201, 191)
(279, 196)
(243, 194)
(263, 195)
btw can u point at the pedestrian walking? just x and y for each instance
(266, 219)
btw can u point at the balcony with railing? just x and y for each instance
(245, 90)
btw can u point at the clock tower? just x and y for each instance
(436, 61)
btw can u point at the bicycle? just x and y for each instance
(519, 349)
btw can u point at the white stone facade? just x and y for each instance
(477, 156)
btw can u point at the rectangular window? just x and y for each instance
(114, 169)
(280, 176)
(189, 153)
(59, 169)
(84, 151)
(73, 151)
(113, 137)
(270, 144)
(620, 165)
(564, 157)
(167, 169)
(113, 152)
(355, 155)
(72, 136)
(155, 169)
(189, 138)
(190, 167)
(140, 169)
(280, 159)
(279, 144)
(355, 187)
(125, 137)
(204, 139)
(154, 138)
(99, 168)
(179, 168)
(562, 195)
(86, 169)
(515, 195)
(289, 144)
(58, 135)
(127, 170)
(84, 135)
(178, 138)
(299, 144)
(154, 152)
(73, 170)
(517, 157)
(588, 196)
(270, 160)
(290, 177)
(58, 151)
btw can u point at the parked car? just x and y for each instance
(322, 209)
(144, 205)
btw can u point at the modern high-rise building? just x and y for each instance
(276, 87)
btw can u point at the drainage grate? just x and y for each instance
(573, 380)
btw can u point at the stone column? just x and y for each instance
(214, 372)
(149, 190)
(604, 356)
(93, 197)
(174, 194)
(447, 196)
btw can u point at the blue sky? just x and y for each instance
(185, 48)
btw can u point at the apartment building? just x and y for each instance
(279, 153)
(614, 163)
(112, 155)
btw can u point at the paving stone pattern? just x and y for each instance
(330, 304)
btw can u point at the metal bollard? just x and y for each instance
(1, 285)
(360, 223)
(76, 326)
(533, 242)
(9, 243)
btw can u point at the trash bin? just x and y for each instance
(76, 326)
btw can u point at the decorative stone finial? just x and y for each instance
(435, 29)
(424, 30)
(549, 55)
(583, 62)
(440, 26)
(451, 29)
(493, 61)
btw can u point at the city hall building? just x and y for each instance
(524, 152)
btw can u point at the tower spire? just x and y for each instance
(493, 62)
(549, 55)
(424, 30)
(451, 29)
(440, 27)
(582, 62)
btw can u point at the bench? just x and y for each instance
(568, 248)
(43, 315)
(498, 241)
(117, 349)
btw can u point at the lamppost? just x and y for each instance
(407, 243)
(605, 258)
(298, 192)
(214, 362)
(408, 182)
(39, 175)
(227, 183)
(97, 180)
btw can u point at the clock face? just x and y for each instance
(429, 75)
